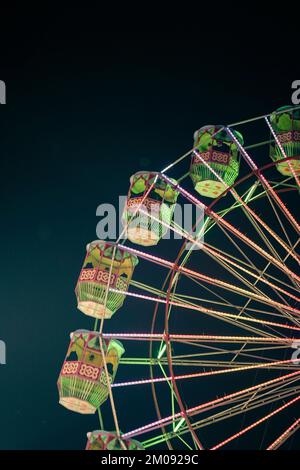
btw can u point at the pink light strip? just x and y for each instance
(225, 258)
(201, 374)
(256, 423)
(208, 311)
(210, 280)
(282, 151)
(203, 338)
(284, 436)
(232, 229)
(205, 406)
(249, 210)
(265, 281)
(264, 181)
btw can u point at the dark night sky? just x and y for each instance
(85, 109)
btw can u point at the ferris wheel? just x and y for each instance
(220, 359)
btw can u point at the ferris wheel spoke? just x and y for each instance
(261, 273)
(253, 403)
(206, 358)
(280, 223)
(250, 197)
(217, 351)
(222, 222)
(250, 263)
(251, 214)
(225, 302)
(189, 305)
(245, 308)
(225, 261)
(285, 435)
(209, 349)
(285, 314)
(266, 365)
(183, 299)
(265, 182)
(201, 338)
(208, 279)
(230, 398)
(278, 290)
(283, 153)
(256, 423)
(240, 263)
(228, 413)
(214, 313)
(274, 288)
(199, 364)
(217, 255)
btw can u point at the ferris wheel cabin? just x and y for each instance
(104, 263)
(82, 382)
(286, 124)
(104, 440)
(149, 208)
(215, 160)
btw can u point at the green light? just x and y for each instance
(162, 351)
(179, 424)
(251, 191)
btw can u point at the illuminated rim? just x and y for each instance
(168, 280)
